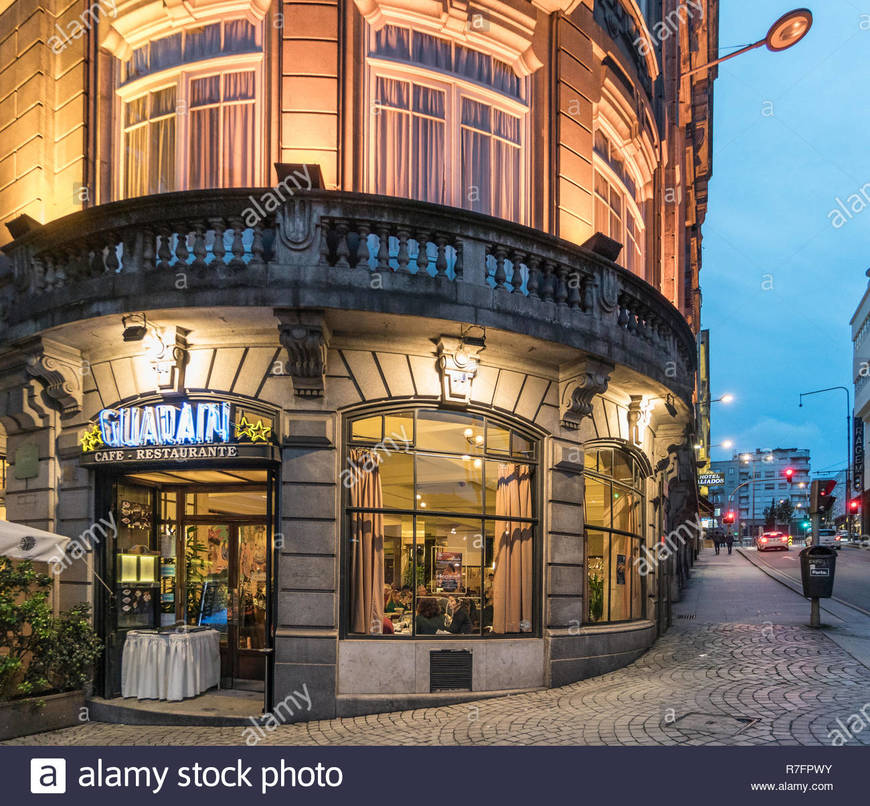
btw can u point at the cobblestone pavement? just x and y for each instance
(734, 684)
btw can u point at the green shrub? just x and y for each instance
(38, 652)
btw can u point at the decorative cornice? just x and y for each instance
(59, 368)
(136, 22)
(576, 394)
(305, 336)
(488, 26)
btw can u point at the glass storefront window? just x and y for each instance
(614, 536)
(440, 527)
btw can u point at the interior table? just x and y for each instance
(170, 666)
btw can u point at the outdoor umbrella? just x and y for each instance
(22, 542)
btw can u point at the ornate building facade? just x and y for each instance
(363, 331)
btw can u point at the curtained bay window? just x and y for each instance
(440, 536)
(447, 124)
(618, 214)
(189, 111)
(614, 536)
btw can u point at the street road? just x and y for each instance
(852, 580)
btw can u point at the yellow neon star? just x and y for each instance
(91, 440)
(260, 431)
(243, 427)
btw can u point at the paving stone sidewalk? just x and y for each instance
(702, 683)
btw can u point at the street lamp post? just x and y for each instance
(788, 30)
(848, 446)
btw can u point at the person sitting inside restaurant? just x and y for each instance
(429, 619)
(392, 600)
(460, 624)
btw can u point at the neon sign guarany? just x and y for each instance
(187, 424)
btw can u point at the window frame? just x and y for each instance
(455, 89)
(180, 77)
(639, 537)
(535, 438)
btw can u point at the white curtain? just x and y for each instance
(475, 157)
(204, 145)
(238, 129)
(428, 163)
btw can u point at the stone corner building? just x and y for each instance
(370, 324)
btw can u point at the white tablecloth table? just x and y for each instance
(170, 666)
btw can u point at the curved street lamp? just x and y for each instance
(787, 31)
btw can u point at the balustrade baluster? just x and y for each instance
(561, 294)
(422, 253)
(500, 276)
(218, 248)
(458, 267)
(547, 286)
(237, 247)
(441, 258)
(257, 248)
(383, 248)
(403, 257)
(341, 251)
(574, 280)
(324, 242)
(182, 253)
(112, 262)
(147, 249)
(362, 248)
(164, 251)
(534, 264)
(199, 251)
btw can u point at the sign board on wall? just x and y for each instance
(178, 430)
(711, 480)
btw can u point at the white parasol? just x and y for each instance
(22, 542)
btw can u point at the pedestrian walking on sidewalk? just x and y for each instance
(730, 541)
(717, 541)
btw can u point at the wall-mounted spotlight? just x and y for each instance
(135, 326)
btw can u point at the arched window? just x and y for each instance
(447, 124)
(189, 111)
(440, 536)
(614, 535)
(618, 209)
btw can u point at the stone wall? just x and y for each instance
(42, 111)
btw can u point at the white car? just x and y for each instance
(830, 538)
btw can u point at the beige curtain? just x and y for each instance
(367, 546)
(512, 581)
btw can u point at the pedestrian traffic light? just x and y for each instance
(821, 499)
(853, 505)
(806, 524)
(728, 517)
(789, 474)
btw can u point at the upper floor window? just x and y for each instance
(440, 536)
(189, 111)
(447, 124)
(617, 212)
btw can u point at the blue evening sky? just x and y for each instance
(791, 134)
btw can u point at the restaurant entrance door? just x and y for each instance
(193, 549)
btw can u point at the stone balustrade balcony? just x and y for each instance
(335, 250)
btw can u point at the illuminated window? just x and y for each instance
(189, 111)
(613, 522)
(617, 213)
(440, 525)
(447, 124)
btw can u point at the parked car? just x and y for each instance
(830, 538)
(772, 540)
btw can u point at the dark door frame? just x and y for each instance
(105, 618)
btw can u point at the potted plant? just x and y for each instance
(45, 661)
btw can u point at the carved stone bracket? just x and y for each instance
(305, 335)
(638, 419)
(457, 365)
(576, 393)
(59, 369)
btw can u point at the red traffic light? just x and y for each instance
(728, 517)
(789, 474)
(853, 506)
